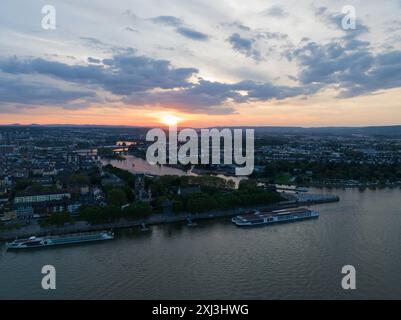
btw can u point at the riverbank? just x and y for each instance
(372, 186)
(292, 200)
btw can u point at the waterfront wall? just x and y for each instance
(293, 200)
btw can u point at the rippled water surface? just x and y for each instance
(217, 260)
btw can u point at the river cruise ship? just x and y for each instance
(285, 215)
(37, 242)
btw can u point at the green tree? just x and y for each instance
(116, 197)
(21, 185)
(178, 206)
(57, 219)
(137, 210)
(248, 185)
(78, 179)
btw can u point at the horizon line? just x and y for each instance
(235, 126)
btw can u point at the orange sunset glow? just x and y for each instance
(380, 109)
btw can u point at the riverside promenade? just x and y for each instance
(292, 200)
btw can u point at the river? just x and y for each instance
(217, 260)
(137, 165)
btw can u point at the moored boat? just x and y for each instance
(38, 242)
(277, 216)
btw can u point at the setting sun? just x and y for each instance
(170, 120)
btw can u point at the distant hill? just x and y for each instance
(392, 131)
(369, 131)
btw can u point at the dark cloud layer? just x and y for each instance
(140, 80)
(204, 96)
(18, 91)
(348, 66)
(121, 75)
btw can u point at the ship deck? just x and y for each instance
(257, 216)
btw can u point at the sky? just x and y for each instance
(207, 63)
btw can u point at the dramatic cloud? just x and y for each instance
(267, 91)
(192, 34)
(180, 27)
(121, 75)
(36, 93)
(349, 67)
(334, 20)
(347, 63)
(139, 80)
(245, 46)
(205, 96)
(257, 44)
